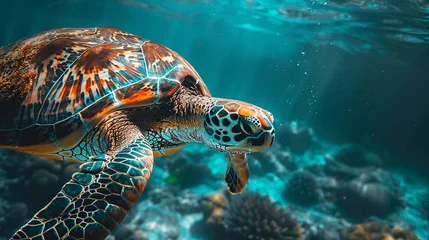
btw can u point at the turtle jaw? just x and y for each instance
(238, 150)
(254, 144)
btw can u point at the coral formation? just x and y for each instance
(376, 230)
(377, 191)
(213, 208)
(170, 197)
(25, 177)
(302, 188)
(325, 198)
(357, 179)
(159, 223)
(254, 216)
(248, 216)
(150, 222)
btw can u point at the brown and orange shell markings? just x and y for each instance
(63, 76)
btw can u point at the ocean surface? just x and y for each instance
(347, 82)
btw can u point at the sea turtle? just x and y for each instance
(113, 101)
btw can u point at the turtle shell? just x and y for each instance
(57, 85)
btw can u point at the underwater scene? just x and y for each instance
(338, 143)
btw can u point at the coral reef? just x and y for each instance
(357, 179)
(302, 188)
(376, 230)
(158, 223)
(254, 216)
(248, 216)
(377, 191)
(373, 199)
(25, 177)
(214, 207)
(149, 222)
(35, 176)
(172, 198)
(325, 195)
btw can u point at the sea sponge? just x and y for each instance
(255, 216)
(302, 188)
(376, 230)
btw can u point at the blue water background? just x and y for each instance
(355, 71)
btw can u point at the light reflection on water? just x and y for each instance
(357, 25)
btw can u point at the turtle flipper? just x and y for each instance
(95, 201)
(237, 172)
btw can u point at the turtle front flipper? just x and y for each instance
(94, 202)
(237, 172)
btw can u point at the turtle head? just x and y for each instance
(237, 127)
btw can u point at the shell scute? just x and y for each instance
(111, 34)
(99, 109)
(96, 73)
(160, 60)
(141, 93)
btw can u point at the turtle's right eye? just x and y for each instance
(248, 127)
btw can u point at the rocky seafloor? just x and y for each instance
(303, 188)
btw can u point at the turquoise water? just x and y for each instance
(332, 72)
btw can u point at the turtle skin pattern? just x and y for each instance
(97, 198)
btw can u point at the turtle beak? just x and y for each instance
(254, 144)
(238, 149)
(262, 142)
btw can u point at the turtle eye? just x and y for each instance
(248, 127)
